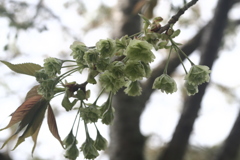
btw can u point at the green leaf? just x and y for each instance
(66, 102)
(175, 33)
(162, 44)
(24, 68)
(146, 20)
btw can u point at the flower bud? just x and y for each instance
(170, 31)
(197, 75)
(157, 19)
(69, 139)
(108, 116)
(100, 142)
(72, 151)
(155, 27)
(165, 83)
(89, 150)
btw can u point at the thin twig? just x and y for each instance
(175, 18)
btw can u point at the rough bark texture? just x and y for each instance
(230, 148)
(210, 46)
(127, 22)
(126, 140)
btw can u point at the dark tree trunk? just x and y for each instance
(230, 148)
(210, 45)
(127, 143)
(126, 140)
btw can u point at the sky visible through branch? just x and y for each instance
(216, 116)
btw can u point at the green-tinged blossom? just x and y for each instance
(191, 89)
(52, 66)
(121, 44)
(102, 64)
(147, 69)
(106, 47)
(46, 88)
(117, 69)
(90, 114)
(198, 74)
(89, 150)
(72, 151)
(134, 70)
(140, 50)
(110, 83)
(78, 50)
(133, 89)
(108, 116)
(100, 142)
(91, 56)
(165, 83)
(41, 75)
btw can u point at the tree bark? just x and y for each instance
(126, 139)
(211, 42)
(127, 142)
(230, 149)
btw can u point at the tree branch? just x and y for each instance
(210, 44)
(175, 18)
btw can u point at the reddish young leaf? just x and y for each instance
(34, 138)
(33, 92)
(32, 120)
(31, 99)
(21, 111)
(53, 125)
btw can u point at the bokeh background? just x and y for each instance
(31, 30)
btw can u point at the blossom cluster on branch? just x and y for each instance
(113, 64)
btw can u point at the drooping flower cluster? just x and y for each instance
(117, 63)
(197, 75)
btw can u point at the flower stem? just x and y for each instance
(64, 75)
(176, 47)
(179, 57)
(99, 96)
(69, 66)
(166, 67)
